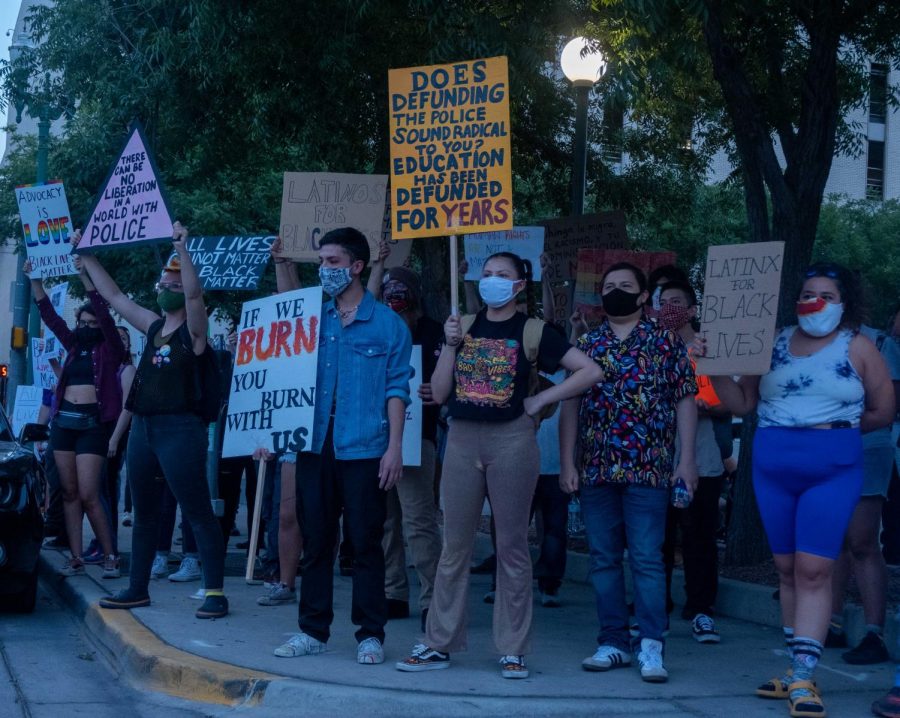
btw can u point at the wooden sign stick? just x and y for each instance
(254, 532)
(454, 276)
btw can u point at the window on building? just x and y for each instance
(875, 171)
(878, 93)
(613, 124)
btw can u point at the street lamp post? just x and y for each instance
(582, 65)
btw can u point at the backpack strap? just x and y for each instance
(465, 323)
(531, 338)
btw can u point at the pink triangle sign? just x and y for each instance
(131, 208)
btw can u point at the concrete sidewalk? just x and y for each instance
(229, 662)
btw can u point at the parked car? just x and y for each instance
(22, 495)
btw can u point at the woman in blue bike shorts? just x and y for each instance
(827, 384)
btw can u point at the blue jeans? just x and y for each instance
(612, 513)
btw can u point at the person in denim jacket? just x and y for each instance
(355, 457)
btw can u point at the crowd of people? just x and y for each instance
(517, 414)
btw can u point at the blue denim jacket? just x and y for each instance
(361, 365)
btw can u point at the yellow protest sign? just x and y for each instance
(450, 148)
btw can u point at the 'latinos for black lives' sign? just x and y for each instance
(314, 203)
(230, 262)
(44, 213)
(740, 306)
(131, 207)
(272, 398)
(450, 148)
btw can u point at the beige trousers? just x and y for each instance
(500, 459)
(411, 514)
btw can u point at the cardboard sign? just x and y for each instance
(44, 376)
(740, 305)
(450, 148)
(230, 262)
(564, 237)
(44, 214)
(400, 251)
(527, 242)
(313, 203)
(26, 408)
(592, 264)
(273, 389)
(412, 430)
(131, 207)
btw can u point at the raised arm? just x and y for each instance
(442, 379)
(127, 308)
(197, 321)
(376, 276)
(48, 314)
(287, 278)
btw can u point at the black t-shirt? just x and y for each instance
(429, 334)
(490, 380)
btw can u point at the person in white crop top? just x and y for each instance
(826, 385)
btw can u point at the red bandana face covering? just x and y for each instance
(673, 317)
(396, 296)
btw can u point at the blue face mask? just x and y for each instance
(496, 291)
(335, 280)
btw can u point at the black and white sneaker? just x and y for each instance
(424, 658)
(704, 630)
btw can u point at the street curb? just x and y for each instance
(147, 660)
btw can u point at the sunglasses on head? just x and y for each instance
(832, 271)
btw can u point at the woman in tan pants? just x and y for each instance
(483, 374)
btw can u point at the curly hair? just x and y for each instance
(848, 284)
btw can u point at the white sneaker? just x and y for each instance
(650, 660)
(370, 652)
(703, 628)
(198, 595)
(301, 645)
(277, 595)
(188, 571)
(160, 566)
(606, 658)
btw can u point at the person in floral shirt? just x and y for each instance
(627, 428)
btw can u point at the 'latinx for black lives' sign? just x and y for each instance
(131, 206)
(450, 148)
(740, 305)
(230, 262)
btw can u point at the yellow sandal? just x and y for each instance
(810, 706)
(774, 688)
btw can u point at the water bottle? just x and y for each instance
(681, 497)
(575, 527)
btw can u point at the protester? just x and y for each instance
(115, 453)
(862, 551)
(355, 456)
(411, 513)
(656, 280)
(699, 522)
(88, 402)
(827, 383)
(484, 373)
(167, 438)
(627, 424)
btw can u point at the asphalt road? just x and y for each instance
(49, 668)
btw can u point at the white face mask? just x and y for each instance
(496, 291)
(822, 322)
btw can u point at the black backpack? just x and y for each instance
(208, 380)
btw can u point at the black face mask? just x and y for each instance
(88, 336)
(619, 303)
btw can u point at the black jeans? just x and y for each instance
(326, 487)
(173, 446)
(553, 504)
(699, 523)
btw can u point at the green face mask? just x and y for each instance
(170, 301)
